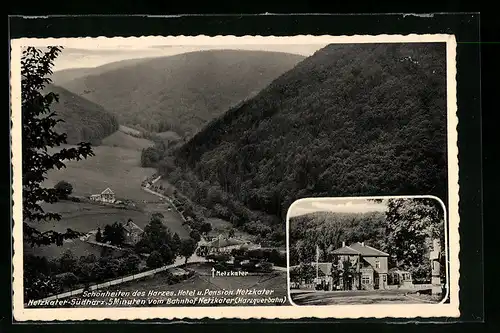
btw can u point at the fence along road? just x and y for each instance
(178, 262)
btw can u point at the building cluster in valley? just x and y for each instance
(223, 244)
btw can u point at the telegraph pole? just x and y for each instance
(435, 255)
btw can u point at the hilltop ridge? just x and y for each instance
(351, 120)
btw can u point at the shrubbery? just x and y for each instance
(158, 238)
(351, 120)
(154, 260)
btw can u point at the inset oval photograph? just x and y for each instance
(380, 250)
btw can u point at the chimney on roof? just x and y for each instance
(362, 243)
(343, 244)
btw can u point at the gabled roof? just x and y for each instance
(368, 251)
(360, 249)
(107, 191)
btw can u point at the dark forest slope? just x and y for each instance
(181, 92)
(83, 120)
(351, 120)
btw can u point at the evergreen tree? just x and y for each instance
(176, 244)
(206, 228)
(195, 235)
(188, 246)
(98, 236)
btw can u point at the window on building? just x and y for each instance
(365, 280)
(384, 278)
(377, 264)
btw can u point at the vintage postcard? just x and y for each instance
(197, 177)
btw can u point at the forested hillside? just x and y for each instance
(82, 120)
(181, 93)
(328, 230)
(351, 120)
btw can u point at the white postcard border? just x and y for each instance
(255, 312)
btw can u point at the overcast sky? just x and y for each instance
(336, 205)
(97, 55)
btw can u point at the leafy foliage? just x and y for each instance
(412, 224)
(43, 278)
(98, 235)
(302, 272)
(176, 243)
(150, 157)
(38, 281)
(167, 255)
(328, 230)
(38, 135)
(64, 188)
(405, 231)
(351, 120)
(206, 228)
(194, 234)
(114, 234)
(158, 238)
